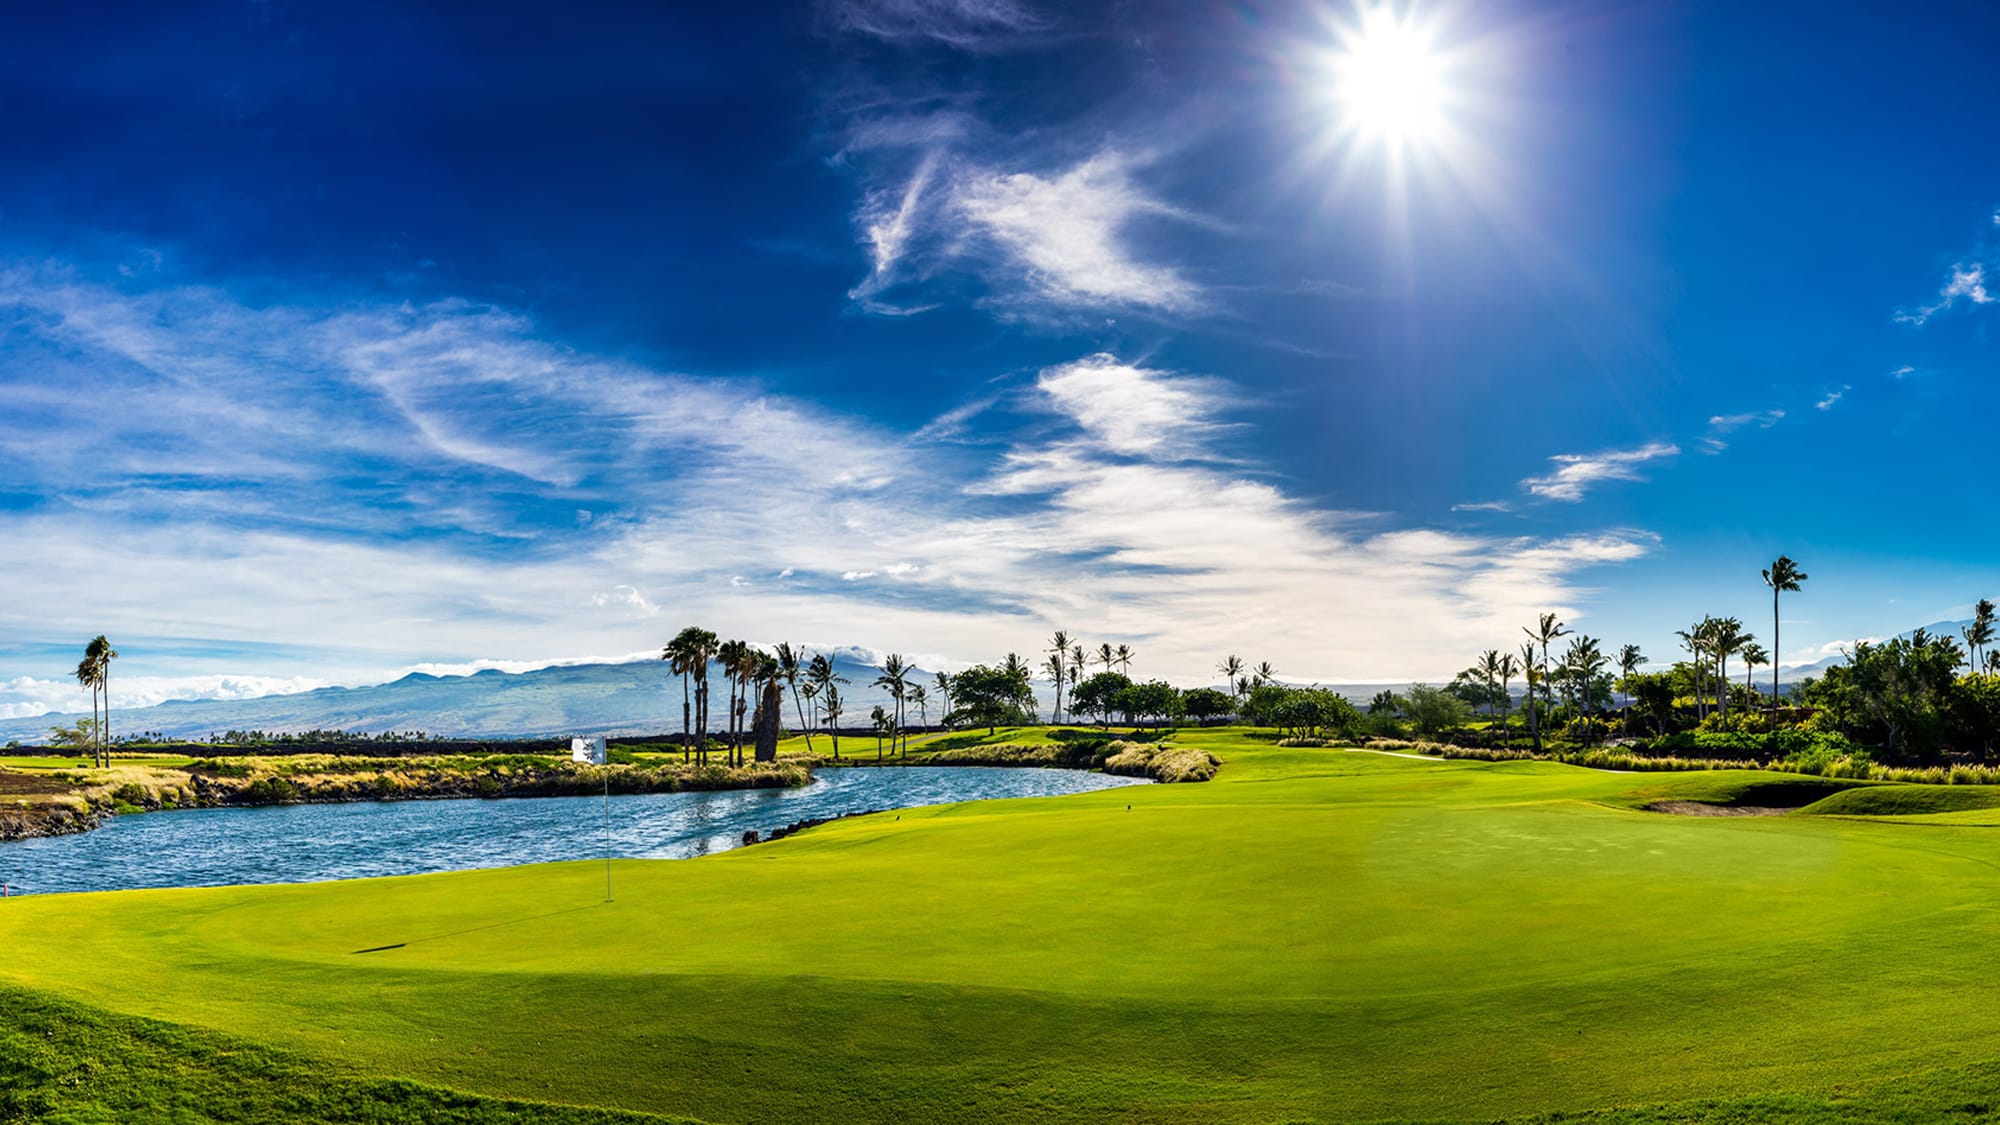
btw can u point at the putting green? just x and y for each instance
(1315, 934)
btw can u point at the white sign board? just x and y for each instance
(588, 750)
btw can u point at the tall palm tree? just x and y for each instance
(1105, 656)
(882, 722)
(1124, 655)
(830, 705)
(1489, 674)
(100, 653)
(943, 684)
(921, 700)
(1057, 666)
(1629, 659)
(1263, 674)
(789, 669)
(1585, 662)
(1509, 668)
(1979, 634)
(702, 647)
(1726, 639)
(1546, 629)
(896, 678)
(684, 655)
(1782, 576)
(1232, 670)
(1530, 681)
(1694, 639)
(86, 676)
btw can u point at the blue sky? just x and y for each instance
(341, 340)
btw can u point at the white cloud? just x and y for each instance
(1139, 528)
(1131, 409)
(1833, 397)
(965, 24)
(1483, 506)
(1722, 424)
(1058, 242)
(25, 697)
(1903, 372)
(1967, 282)
(1070, 232)
(1576, 473)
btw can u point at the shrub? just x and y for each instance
(270, 791)
(132, 793)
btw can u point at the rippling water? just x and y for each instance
(308, 843)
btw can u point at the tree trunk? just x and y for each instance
(1775, 650)
(766, 723)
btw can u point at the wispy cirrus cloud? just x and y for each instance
(1577, 473)
(1967, 282)
(1058, 240)
(973, 25)
(389, 485)
(1833, 397)
(1721, 425)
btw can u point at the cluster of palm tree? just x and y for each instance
(1241, 679)
(747, 670)
(94, 673)
(1066, 663)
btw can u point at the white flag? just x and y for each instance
(589, 750)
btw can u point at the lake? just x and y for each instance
(310, 843)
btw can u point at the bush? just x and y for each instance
(132, 793)
(270, 791)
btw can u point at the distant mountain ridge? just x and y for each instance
(637, 697)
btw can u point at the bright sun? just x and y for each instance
(1388, 81)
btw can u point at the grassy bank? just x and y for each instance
(42, 798)
(1312, 935)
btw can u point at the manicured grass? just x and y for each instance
(1313, 935)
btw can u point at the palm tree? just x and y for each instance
(1264, 674)
(1529, 682)
(921, 699)
(1058, 654)
(100, 653)
(1232, 670)
(1694, 639)
(1754, 656)
(1105, 656)
(729, 654)
(821, 672)
(1726, 639)
(881, 721)
(895, 677)
(684, 656)
(1584, 662)
(1124, 655)
(830, 704)
(702, 646)
(1546, 629)
(1488, 670)
(1509, 668)
(943, 684)
(1782, 576)
(1629, 659)
(1054, 667)
(86, 676)
(1980, 633)
(789, 670)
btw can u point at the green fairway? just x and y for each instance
(1314, 935)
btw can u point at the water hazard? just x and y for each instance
(309, 843)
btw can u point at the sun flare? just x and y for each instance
(1389, 82)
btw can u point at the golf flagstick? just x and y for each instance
(592, 750)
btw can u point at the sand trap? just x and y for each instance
(1699, 808)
